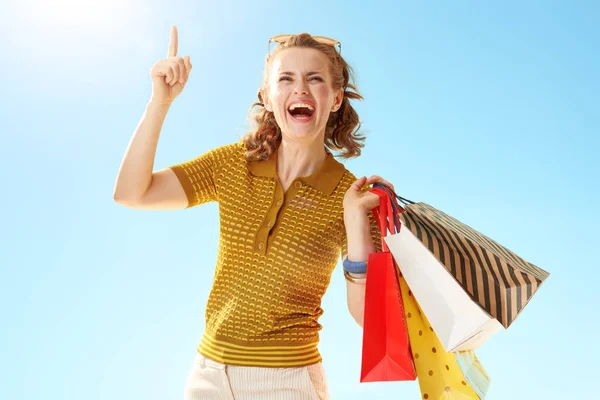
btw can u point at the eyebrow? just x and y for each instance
(310, 73)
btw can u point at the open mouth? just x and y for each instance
(302, 111)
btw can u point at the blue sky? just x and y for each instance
(488, 112)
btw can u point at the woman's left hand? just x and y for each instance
(356, 199)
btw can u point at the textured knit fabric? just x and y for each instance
(277, 252)
(210, 380)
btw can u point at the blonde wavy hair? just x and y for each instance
(342, 129)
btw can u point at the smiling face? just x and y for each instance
(300, 93)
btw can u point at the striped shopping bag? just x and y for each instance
(434, 250)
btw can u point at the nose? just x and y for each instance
(301, 88)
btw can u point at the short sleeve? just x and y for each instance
(197, 176)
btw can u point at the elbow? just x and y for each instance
(125, 197)
(117, 198)
(359, 320)
(356, 302)
(128, 194)
(124, 201)
(357, 315)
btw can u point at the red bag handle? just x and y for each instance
(396, 208)
(384, 214)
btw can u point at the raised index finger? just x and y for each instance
(173, 43)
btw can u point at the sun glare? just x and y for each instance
(84, 15)
(76, 39)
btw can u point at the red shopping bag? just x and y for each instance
(386, 354)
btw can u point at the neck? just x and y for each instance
(298, 160)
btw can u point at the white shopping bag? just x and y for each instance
(459, 322)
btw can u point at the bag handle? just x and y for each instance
(404, 201)
(384, 214)
(397, 208)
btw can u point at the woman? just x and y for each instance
(287, 210)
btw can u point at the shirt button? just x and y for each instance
(270, 224)
(261, 246)
(279, 203)
(298, 184)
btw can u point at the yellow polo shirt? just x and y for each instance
(277, 251)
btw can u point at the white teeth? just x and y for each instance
(304, 105)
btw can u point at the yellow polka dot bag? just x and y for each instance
(439, 373)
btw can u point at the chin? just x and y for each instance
(300, 134)
(303, 131)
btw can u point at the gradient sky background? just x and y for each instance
(488, 112)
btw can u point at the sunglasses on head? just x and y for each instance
(321, 39)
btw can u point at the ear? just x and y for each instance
(264, 97)
(337, 102)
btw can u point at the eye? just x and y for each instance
(317, 78)
(284, 78)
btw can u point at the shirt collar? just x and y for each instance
(325, 179)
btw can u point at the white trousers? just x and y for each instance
(210, 380)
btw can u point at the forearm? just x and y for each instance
(358, 234)
(360, 245)
(135, 174)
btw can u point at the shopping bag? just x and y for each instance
(439, 255)
(439, 372)
(386, 354)
(459, 322)
(473, 371)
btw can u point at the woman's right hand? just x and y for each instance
(170, 74)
